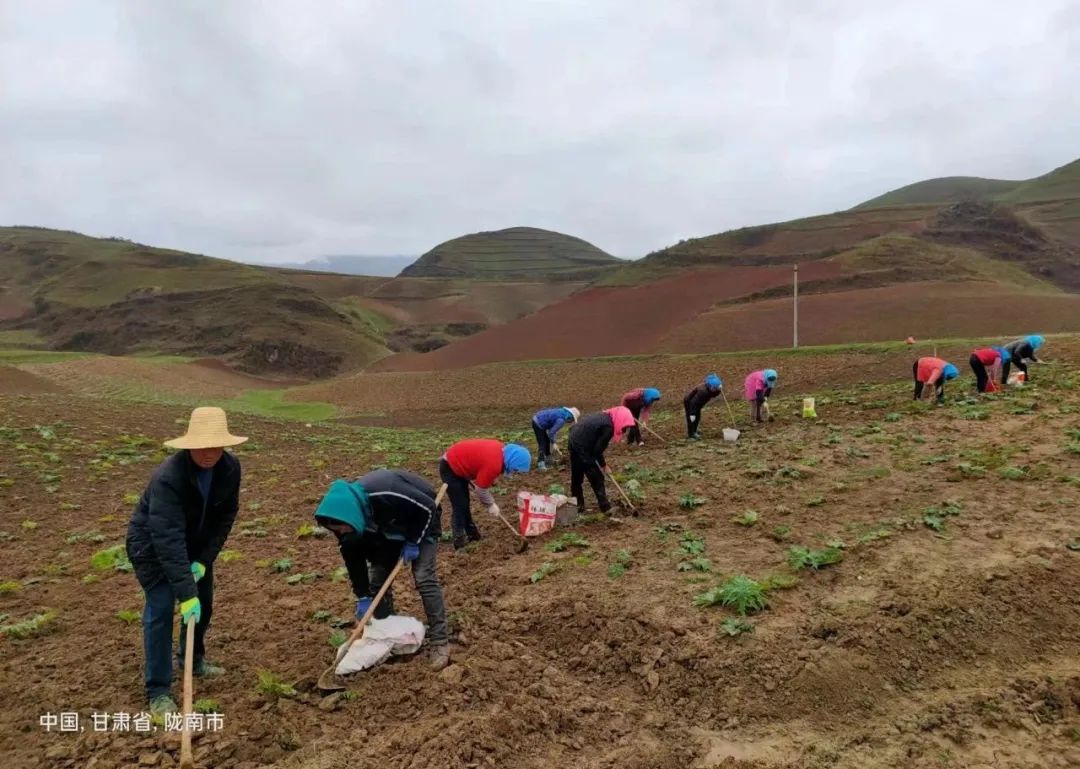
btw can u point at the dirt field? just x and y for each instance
(947, 635)
(607, 321)
(924, 310)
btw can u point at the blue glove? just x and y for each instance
(410, 552)
(362, 607)
(197, 570)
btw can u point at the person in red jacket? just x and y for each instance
(478, 463)
(986, 362)
(932, 371)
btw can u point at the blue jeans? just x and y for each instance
(157, 622)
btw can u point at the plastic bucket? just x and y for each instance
(731, 434)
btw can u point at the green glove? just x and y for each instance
(190, 610)
(198, 570)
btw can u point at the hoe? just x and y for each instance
(329, 682)
(186, 760)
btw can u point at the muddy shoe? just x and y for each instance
(473, 534)
(460, 540)
(204, 669)
(162, 704)
(439, 656)
(541, 466)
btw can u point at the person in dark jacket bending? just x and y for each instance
(383, 516)
(176, 531)
(589, 438)
(1020, 352)
(695, 401)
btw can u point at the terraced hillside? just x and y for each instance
(514, 253)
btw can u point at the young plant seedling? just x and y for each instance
(734, 626)
(802, 557)
(621, 565)
(272, 686)
(546, 569)
(688, 501)
(740, 593)
(566, 541)
(749, 518)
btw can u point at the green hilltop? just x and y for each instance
(514, 253)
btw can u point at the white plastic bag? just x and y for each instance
(395, 635)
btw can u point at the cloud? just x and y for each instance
(269, 130)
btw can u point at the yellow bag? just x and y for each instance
(808, 411)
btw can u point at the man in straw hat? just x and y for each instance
(176, 532)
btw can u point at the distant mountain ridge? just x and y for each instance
(513, 253)
(353, 264)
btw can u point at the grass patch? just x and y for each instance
(272, 403)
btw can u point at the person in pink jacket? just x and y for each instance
(759, 387)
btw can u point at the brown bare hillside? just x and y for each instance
(607, 320)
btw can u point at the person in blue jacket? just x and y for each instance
(546, 424)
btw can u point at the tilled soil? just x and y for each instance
(947, 636)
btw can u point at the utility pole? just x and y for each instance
(795, 318)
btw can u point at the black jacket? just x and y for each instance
(402, 510)
(698, 397)
(402, 506)
(590, 437)
(171, 527)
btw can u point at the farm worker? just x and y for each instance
(988, 358)
(380, 517)
(589, 438)
(546, 425)
(932, 371)
(176, 531)
(639, 402)
(758, 387)
(696, 399)
(477, 462)
(1020, 352)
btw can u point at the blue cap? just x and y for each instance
(950, 372)
(712, 381)
(516, 459)
(1036, 341)
(1006, 356)
(651, 395)
(770, 375)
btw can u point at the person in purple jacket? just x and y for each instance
(546, 425)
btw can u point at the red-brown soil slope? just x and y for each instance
(610, 321)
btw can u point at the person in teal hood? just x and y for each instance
(380, 517)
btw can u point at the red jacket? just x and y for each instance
(988, 356)
(480, 460)
(929, 370)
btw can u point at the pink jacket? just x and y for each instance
(754, 383)
(621, 418)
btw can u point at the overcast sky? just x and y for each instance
(280, 131)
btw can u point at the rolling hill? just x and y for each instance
(947, 189)
(514, 253)
(67, 291)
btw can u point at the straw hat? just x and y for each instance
(207, 429)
